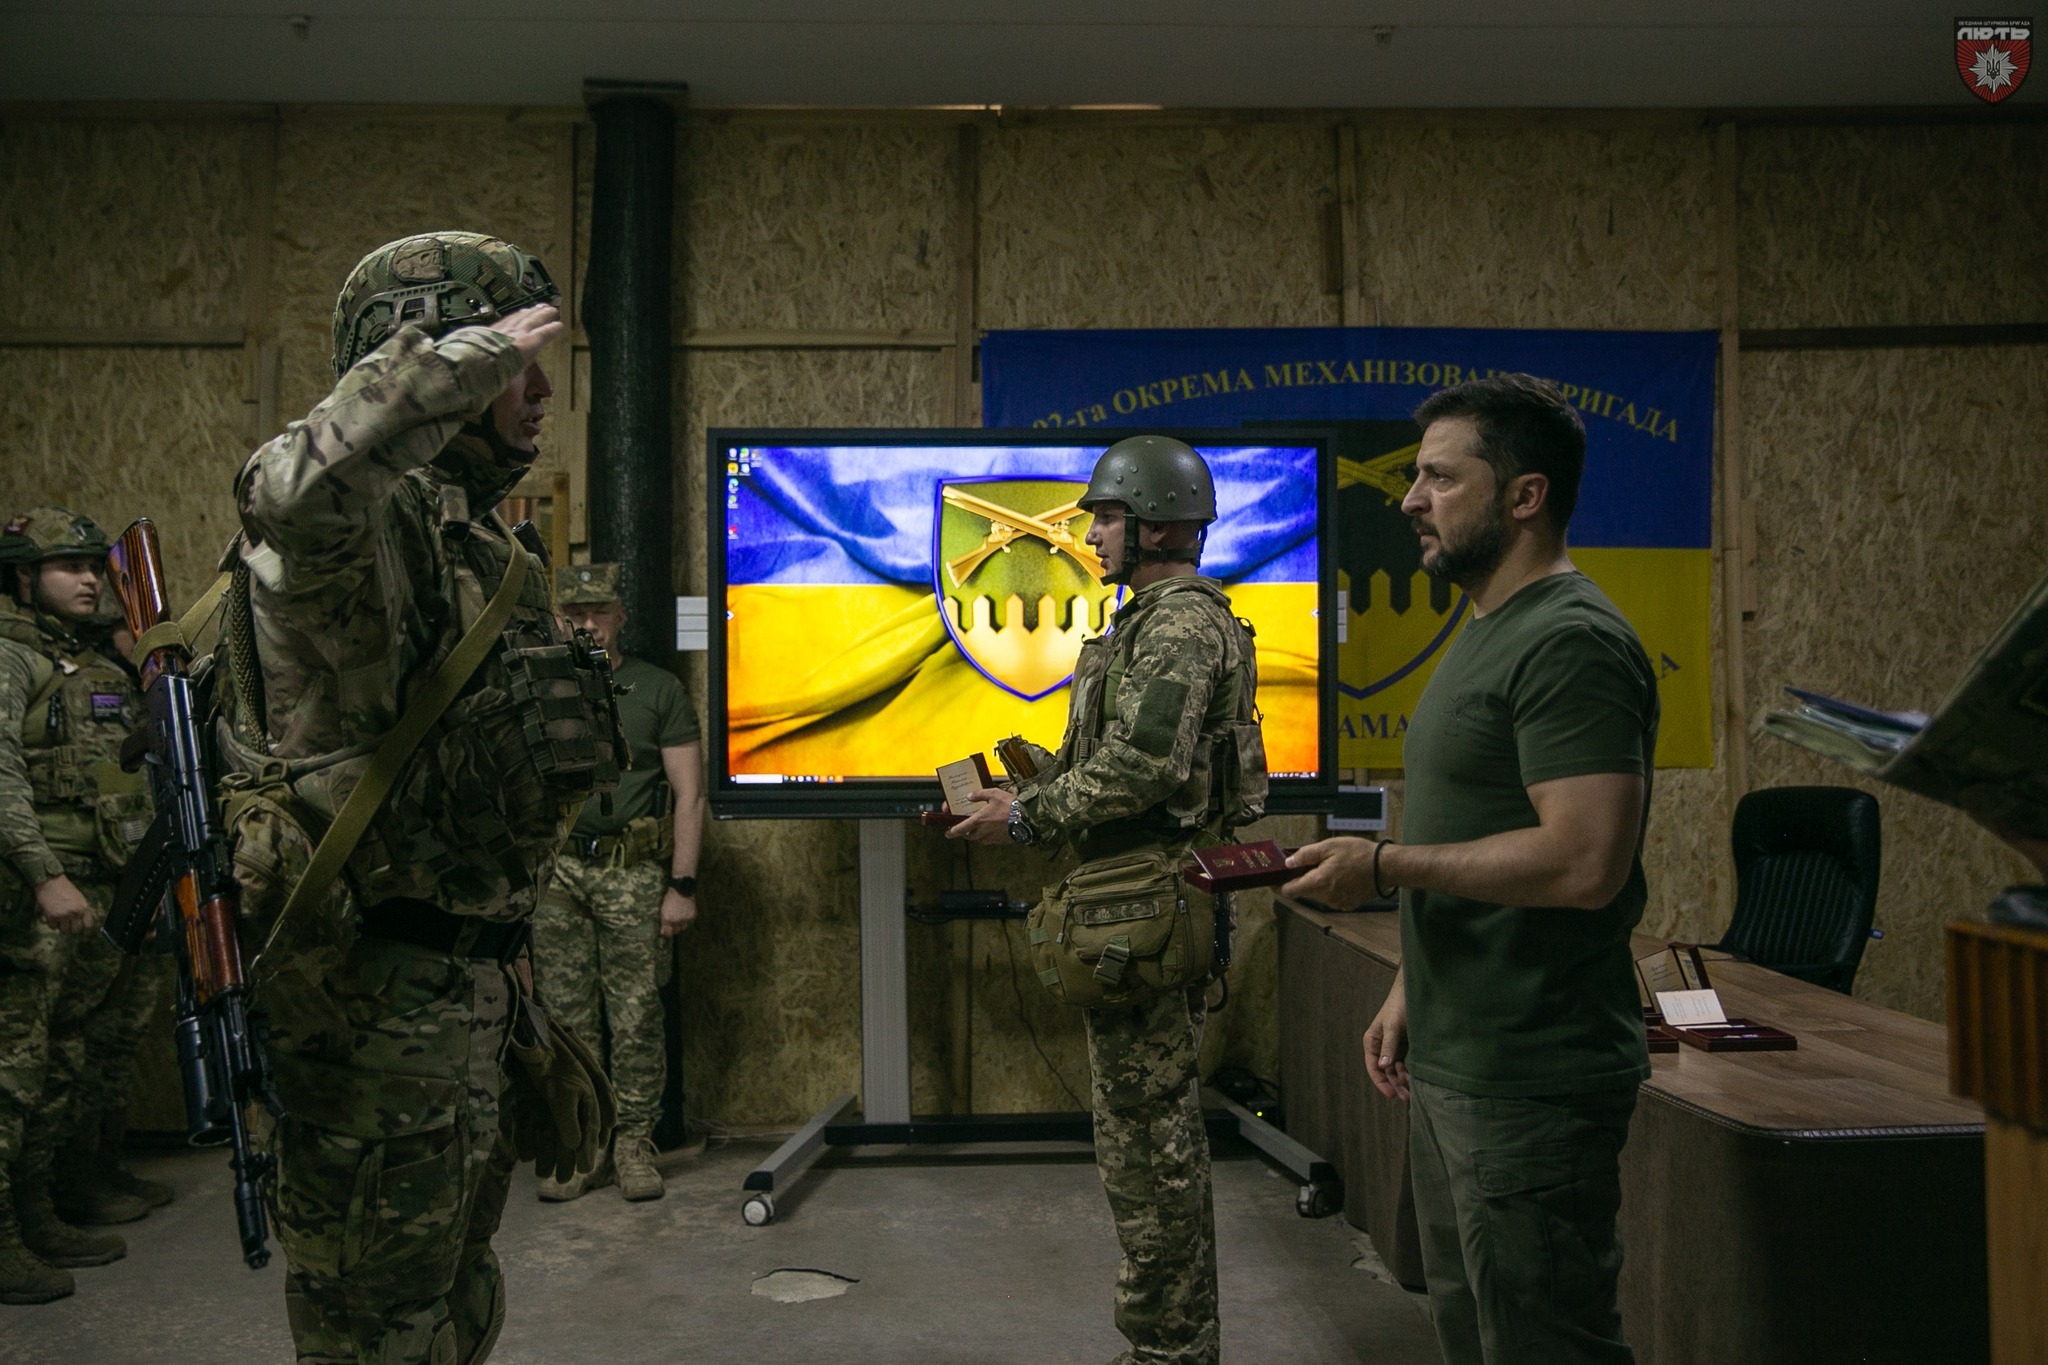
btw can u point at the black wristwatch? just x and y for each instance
(683, 886)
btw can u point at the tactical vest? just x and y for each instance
(1226, 782)
(81, 707)
(474, 820)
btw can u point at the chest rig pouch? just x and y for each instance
(1227, 784)
(477, 817)
(82, 706)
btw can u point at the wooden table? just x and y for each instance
(1803, 1207)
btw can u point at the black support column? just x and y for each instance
(626, 314)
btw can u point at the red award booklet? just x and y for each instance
(1239, 867)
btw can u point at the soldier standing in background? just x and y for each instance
(625, 884)
(68, 818)
(1151, 762)
(369, 554)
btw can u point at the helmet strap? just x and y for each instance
(1187, 554)
(1135, 554)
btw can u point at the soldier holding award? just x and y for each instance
(1162, 753)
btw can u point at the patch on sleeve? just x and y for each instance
(1159, 712)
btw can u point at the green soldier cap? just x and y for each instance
(586, 585)
(1154, 477)
(50, 532)
(438, 280)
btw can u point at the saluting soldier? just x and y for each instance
(68, 819)
(369, 554)
(625, 885)
(1156, 758)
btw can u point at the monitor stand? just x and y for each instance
(885, 1118)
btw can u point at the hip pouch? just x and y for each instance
(121, 809)
(1122, 930)
(273, 834)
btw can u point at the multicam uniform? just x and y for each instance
(1154, 702)
(369, 553)
(65, 809)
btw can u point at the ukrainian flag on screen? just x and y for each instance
(892, 609)
(1641, 529)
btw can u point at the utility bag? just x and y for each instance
(1122, 930)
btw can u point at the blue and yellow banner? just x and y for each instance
(1642, 529)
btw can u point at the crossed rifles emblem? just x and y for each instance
(1005, 525)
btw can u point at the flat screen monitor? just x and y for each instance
(882, 602)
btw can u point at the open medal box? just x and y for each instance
(1681, 1009)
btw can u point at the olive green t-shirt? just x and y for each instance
(1525, 1000)
(655, 713)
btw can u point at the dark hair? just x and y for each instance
(1525, 427)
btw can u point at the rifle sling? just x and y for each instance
(432, 698)
(178, 632)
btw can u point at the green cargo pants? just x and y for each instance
(1517, 1200)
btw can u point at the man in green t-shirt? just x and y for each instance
(625, 882)
(1513, 1028)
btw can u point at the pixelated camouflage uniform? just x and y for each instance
(597, 947)
(65, 808)
(1149, 723)
(597, 962)
(369, 552)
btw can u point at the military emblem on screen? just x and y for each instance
(1400, 618)
(1015, 581)
(1993, 56)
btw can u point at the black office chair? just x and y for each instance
(1806, 863)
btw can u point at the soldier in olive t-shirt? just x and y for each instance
(625, 880)
(1525, 1000)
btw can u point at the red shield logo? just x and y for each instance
(1993, 56)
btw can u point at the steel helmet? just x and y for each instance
(1156, 478)
(437, 280)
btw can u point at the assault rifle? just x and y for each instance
(181, 884)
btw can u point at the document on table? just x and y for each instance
(1691, 1009)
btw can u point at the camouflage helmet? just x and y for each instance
(439, 280)
(1156, 478)
(591, 585)
(50, 532)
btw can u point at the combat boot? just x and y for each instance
(24, 1276)
(113, 1135)
(55, 1240)
(633, 1159)
(121, 1180)
(83, 1194)
(555, 1191)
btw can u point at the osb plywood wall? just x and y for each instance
(819, 275)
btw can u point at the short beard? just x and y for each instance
(1474, 561)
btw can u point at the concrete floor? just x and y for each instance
(979, 1258)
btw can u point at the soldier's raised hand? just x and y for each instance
(531, 329)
